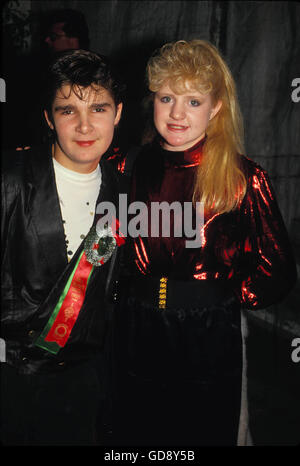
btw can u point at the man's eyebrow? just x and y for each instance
(100, 104)
(58, 108)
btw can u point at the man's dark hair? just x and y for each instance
(80, 69)
(74, 25)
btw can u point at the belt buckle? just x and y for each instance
(162, 294)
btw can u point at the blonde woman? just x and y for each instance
(178, 331)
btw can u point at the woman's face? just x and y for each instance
(182, 119)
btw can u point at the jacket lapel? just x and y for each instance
(45, 211)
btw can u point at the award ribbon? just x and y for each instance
(62, 320)
(98, 248)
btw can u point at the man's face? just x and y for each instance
(58, 41)
(84, 127)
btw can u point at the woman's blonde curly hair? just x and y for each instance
(220, 183)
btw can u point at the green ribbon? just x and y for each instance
(51, 346)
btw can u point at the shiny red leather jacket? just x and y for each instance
(248, 247)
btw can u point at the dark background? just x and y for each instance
(261, 43)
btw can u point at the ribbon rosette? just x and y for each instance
(99, 245)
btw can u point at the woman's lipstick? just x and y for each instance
(176, 128)
(85, 143)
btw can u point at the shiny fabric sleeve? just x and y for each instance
(268, 269)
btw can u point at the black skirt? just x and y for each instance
(177, 366)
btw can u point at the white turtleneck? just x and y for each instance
(77, 194)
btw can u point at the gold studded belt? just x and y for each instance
(163, 292)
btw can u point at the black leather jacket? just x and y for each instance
(33, 260)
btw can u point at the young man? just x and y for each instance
(54, 323)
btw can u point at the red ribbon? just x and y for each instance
(68, 313)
